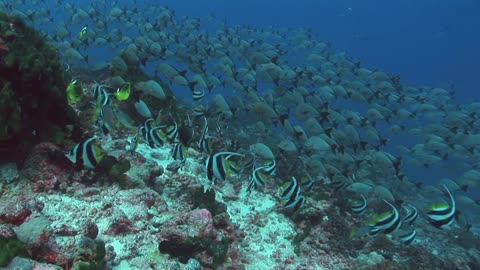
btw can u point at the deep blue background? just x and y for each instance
(427, 43)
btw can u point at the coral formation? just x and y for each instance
(33, 103)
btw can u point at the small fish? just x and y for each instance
(359, 206)
(270, 167)
(411, 216)
(256, 179)
(308, 183)
(82, 35)
(106, 118)
(338, 184)
(199, 111)
(142, 109)
(153, 136)
(123, 93)
(198, 94)
(148, 124)
(204, 139)
(292, 194)
(409, 237)
(74, 90)
(216, 165)
(132, 144)
(178, 152)
(101, 96)
(86, 154)
(186, 132)
(218, 128)
(387, 222)
(234, 168)
(442, 214)
(356, 233)
(172, 131)
(124, 119)
(250, 163)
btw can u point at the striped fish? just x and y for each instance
(257, 178)
(359, 206)
(178, 152)
(270, 167)
(307, 182)
(217, 165)
(293, 195)
(387, 222)
(101, 96)
(338, 184)
(153, 136)
(250, 163)
(198, 94)
(199, 111)
(132, 144)
(204, 139)
(411, 216)
(106, 119)
(442, 214)
(86, 154)
(409, 237)
(172, 131)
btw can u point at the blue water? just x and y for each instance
(433, 43)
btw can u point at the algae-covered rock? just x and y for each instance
(11, 248)
(121, 167)
(90, 255)
(33, 101)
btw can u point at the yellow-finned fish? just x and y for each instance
(386, 222)
(86, 154)
(292, 195)
(442, 214)
(74, 90)
(82, 35)
(217, 165)
(257, 178)
(359, 206)
(123, 93)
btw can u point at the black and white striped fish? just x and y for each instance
(292, 195)
(217, 165)
(442, 214)
(359, 206)
(86, 154)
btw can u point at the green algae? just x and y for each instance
(119, 168)
(11, 248)
(219, 251)
(206, 199)
(90, 255)
(113, 170)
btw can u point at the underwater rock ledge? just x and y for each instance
(33, 102)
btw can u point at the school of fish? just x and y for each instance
(275, 106)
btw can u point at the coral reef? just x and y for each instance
(33, 102)
(166, 220)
